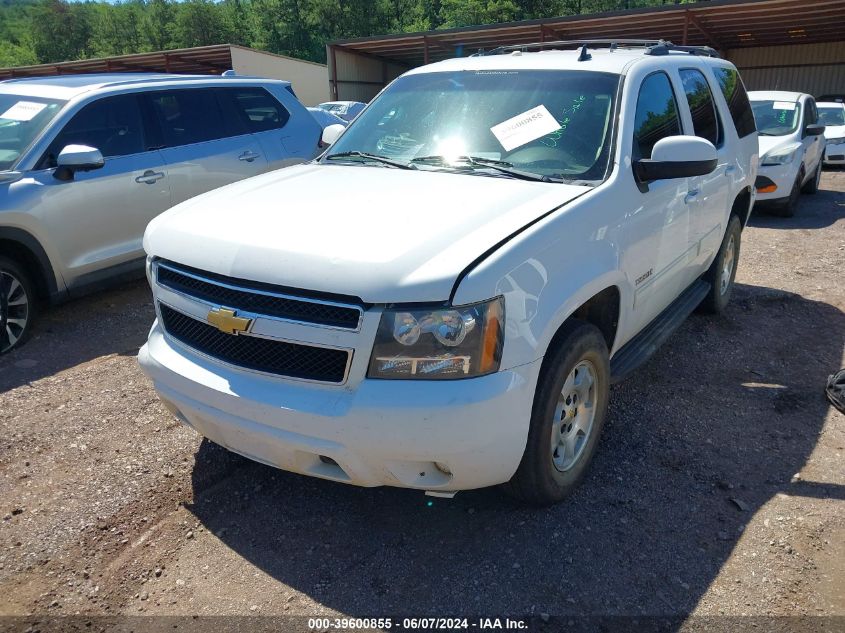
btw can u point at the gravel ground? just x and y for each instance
(718, 487)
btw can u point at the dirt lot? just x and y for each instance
(718, 487)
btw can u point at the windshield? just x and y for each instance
(831, 115)
(553, 123)
(21, 120)
(776, 118)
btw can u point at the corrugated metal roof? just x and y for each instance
(722, 24)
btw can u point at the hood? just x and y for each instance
(768, 143)
(380, 234)
(834, 131)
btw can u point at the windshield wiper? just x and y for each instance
(372, 157)
(491, 163)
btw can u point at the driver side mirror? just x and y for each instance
(677, 157)
(814, 129)
(331, 132)
(74, 158)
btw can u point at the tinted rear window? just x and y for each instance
(731, 85)
(259, 109)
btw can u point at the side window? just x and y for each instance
(734, 92)
(812, 112)
(657, 114)
(705, 119)
(189, 116)
(260, 110)
(112, 125)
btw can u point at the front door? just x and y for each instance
(98, 218)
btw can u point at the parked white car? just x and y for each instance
(86, 161)
(791, 148)
(346, 110)
(832, 116)
(446, 294)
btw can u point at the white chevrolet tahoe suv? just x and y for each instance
(442, 300)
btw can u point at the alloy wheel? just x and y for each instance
(574, 415)
(14, 310)
(728, 266)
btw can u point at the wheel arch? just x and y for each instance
(742, 206)
(25, 249)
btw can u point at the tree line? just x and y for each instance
(44, 31)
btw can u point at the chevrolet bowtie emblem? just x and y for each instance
(226, 321)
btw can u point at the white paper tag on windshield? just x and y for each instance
(525, 127)
(23, 111)
(784, 105)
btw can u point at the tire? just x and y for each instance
(17, 305)
(787, 209)
(812, 185)
(722, 271)
(548, 472)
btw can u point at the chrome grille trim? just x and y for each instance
(234, 287)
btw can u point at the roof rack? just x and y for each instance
(653, 47)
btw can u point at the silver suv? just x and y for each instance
(86, 161)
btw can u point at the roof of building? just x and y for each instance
(202, 60)
(721, 24)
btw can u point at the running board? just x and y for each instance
(643, 346)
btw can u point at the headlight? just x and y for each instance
(781, 155)
(836, 141)
(439, 343)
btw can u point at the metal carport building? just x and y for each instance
(777, 44)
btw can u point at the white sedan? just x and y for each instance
(832, 115)
(791, 148)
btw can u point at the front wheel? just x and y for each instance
(722, 271)
(570, 406)
(17, 305)
(812, 185)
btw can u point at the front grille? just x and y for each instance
(250, 352)
(257, 298)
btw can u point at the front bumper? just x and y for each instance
(379, 432)
(835, 154)
(782, 176)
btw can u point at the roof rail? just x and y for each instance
(653, 47)
(664, 47)
(609, 43)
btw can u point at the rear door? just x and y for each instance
(98, 218)
(288, 134)
(205, 143)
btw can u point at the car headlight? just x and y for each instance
(781, 155)
(836, 141)
(439, 343)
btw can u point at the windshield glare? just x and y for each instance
(21, 120)
(832, 115)
(553, 123)
(776, 118)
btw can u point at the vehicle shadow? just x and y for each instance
(729, 409)
(112, 322)
(818, 211)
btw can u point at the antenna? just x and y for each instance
(584, 55)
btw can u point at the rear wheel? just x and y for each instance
(722, 271)
(17, 305)
(570, 407)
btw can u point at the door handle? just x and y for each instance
(248, 156)
(149, 177)
(691, 195)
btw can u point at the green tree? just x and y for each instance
(200, 23)
(61, 31)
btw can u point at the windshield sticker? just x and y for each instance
(23, 111)
(524, 128)
(784, 105)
